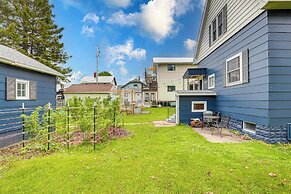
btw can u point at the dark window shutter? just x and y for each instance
(224, 74)
(10, 88)
(245, 66)
(210, 39)
(32, 90)
(224, 13)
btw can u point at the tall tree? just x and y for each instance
(28, 26)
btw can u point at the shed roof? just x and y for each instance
(91, 88)
(195, 93)
(15, 58)
(178, 60)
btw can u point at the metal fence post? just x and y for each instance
(68, 125)
(49, 126)
(23, 124)
(94, 126)
(114, 117)
(168, 113)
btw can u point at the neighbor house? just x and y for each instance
(131, 93)
(23, 81)
(89, 90)
(169, 72)
(150, 88)
(101, 80)
(244, 60)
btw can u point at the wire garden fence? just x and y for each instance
(48, 127)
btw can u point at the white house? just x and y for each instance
(170, 73)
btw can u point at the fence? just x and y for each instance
(49, 124)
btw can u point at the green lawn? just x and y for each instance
(156, 160)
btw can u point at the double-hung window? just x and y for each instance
(171, 88)
(218, 26)
(234, 70)
(211, 81)
(22, 90)
(171, 67)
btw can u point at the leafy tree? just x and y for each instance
(105, 73)
(28, 26)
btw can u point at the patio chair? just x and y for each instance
(224, 122)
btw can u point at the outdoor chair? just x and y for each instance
(224, 122)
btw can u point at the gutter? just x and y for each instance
(9, 62)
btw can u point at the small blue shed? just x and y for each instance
(192, 104)
(23, 80)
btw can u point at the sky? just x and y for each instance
(129, 33)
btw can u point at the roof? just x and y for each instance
(90, 88)
(194, 72)
(133, 81)
(195, 93)
(181, 60)
(101, 79)
(15, 58)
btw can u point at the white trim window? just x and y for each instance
(22, 90)
(171, 88)
(234, 73)
(199, 106)
(171, 67)
(211, 81)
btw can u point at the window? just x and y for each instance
(199, 106)
(125, 94)
(218, 26)
(171, 67)
(211, 81)
(249, 127)
(22, 90)
(152, 96)
(135, 85)
(191, 87)
(214, 30)
(171, 88)
(147, 97)
(234, 70)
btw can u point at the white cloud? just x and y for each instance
(75, 78)
(123, 71)
(190, 44)
(118, 3)
(122, 19)
(91, 17)
(88, 31)
(156, 19)
(120, 54)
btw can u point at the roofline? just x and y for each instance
(200, 30)
(195, 93)
(173, 60)
(9, 62)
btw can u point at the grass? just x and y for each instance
(156, 160)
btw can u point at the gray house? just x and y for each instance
(244, 60)
(133, 92)
(23, 80)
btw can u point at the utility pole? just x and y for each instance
(97, 58)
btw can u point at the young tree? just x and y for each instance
(28, 26)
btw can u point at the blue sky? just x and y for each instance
(129, 33)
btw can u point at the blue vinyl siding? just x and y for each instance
(250, 101)
(46, 87)
(279, 23)
(185, 107)
(46, 92)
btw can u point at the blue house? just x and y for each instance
(244, 60)
(23, 80)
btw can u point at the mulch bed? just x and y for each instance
(76, 138)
